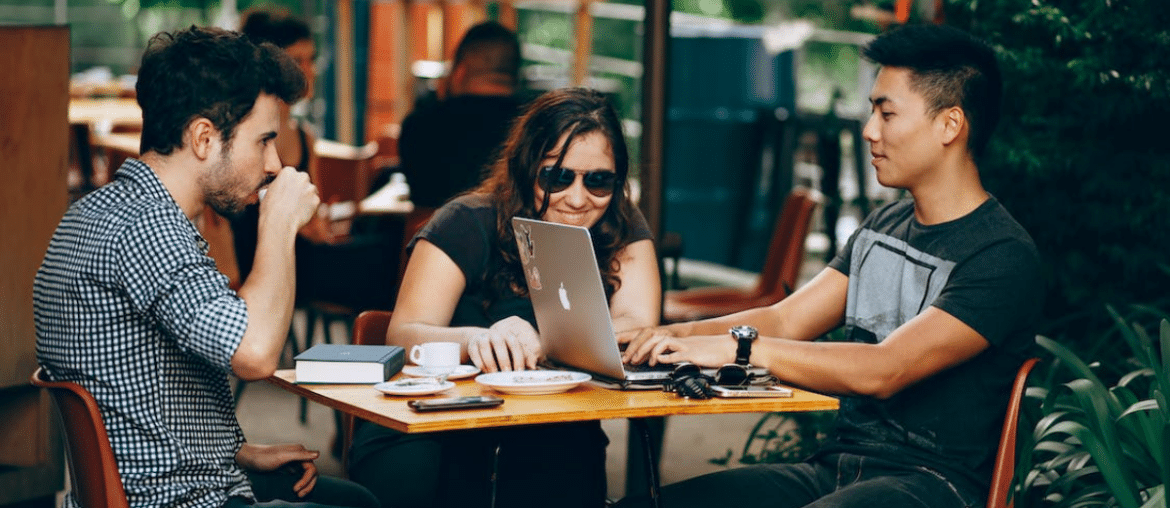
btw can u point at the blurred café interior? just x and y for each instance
(726, 119)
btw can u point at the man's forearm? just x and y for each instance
(269, 292)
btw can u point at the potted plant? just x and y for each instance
(1099, 444)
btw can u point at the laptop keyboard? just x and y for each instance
(643, 367)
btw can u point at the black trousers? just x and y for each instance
(560, 465)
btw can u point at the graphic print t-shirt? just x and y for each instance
(982, 269)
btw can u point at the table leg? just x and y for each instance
(495, 474)
(649, 434)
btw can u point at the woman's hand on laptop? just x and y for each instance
(510, 344)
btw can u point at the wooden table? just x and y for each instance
(586, 402)
(116, 111)
(583, 403)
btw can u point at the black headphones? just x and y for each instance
(688, 380)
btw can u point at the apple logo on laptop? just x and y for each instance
(564, 296)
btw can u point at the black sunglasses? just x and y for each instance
(599, 183)
(731, 374)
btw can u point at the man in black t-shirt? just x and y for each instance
(445, 145)
(937, 297)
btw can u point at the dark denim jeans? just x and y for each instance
(833, 480)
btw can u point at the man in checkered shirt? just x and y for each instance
(129, 305)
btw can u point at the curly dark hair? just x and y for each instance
(534, 136)
(206, 72)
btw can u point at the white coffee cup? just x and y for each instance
(436, 358)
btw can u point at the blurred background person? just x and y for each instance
(294, 141)
(445, 145)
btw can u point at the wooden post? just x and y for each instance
(508, 16)
(583, 32)
(343, 41)
(384, 77)
(404, 100)
(34, 145)
(656, 51)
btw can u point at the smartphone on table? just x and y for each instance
(734, 392)
(447, 403)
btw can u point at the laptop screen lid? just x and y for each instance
(572, 313)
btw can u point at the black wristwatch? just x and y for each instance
(745, 335)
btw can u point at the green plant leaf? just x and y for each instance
(1164, 450)
(1138, 341)
(1164, 378)
(1157, 497)
(1142, 405)
(1074, 363)
(1102, 442)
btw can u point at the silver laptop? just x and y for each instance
(572, 313)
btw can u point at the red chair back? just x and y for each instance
(369, 329)
(1005, 457)
(93, 469)
(786, 249)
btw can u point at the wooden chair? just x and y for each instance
(368, 329)
(387, 139)
(343, 171)
(1005, 458)
(117, 147)
(93, 469)
(777, 280)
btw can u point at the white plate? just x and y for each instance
(406, 387)
(533, 382)
(461, 371)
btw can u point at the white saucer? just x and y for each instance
(406, 387)
(533, 382)
(461, 371)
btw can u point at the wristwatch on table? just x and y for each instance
(745, 335)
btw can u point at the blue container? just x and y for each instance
(724, 89)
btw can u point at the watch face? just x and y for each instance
(744, 332)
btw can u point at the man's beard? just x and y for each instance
(220, 188)
(225, 204)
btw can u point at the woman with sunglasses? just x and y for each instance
(564, 161)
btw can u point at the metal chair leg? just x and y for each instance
(311, 318)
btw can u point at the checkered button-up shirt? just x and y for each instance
(129, 305)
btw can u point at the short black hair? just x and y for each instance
(210, 73)
(949, 67)
(276, 27)
(490, 48)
